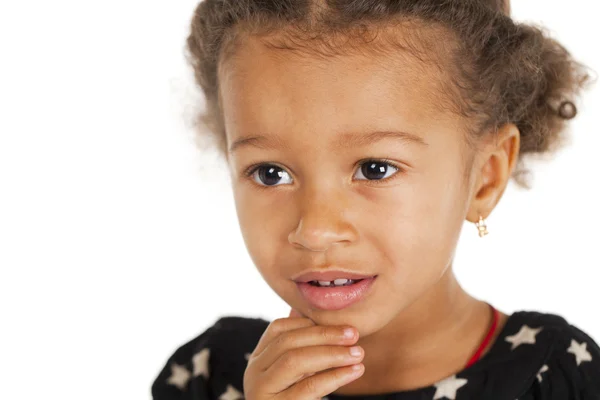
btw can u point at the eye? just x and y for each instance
(268, 174)
(376, 170)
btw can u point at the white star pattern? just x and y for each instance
(525, 335)
(541, 371)
(448, 387)
(580, 352)
(200, 363)
(179, 376)
(231, 394)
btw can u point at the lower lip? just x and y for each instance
(335, 298)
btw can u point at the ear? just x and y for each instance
(496, 163)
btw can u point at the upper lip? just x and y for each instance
(330, 276)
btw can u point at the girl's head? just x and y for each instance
(361, 134)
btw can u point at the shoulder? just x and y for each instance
(570, 362)
(211, 364)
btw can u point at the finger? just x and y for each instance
(317, 335)
(299, 363)
(276, 328)
(324, 383)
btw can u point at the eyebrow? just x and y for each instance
(345, 140)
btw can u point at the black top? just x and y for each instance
(536, 356)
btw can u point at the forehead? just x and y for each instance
(267, 88)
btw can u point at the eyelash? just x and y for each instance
(253, 168)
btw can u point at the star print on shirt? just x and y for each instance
(448, 387)
(179, 376)
(200, 363)
(554, 360)
(525, 335)
(231, 394)
(580, 352)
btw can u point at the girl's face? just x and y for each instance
(312, 204)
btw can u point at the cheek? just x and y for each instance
(418, 230)
(260, 225)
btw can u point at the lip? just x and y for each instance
(335, 298)
(330, 276)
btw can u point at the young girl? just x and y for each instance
(360, 134)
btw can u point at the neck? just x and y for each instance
(430, 340)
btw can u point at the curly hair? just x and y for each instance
(500, 71)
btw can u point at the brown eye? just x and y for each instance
(268, 175)
(376, 170)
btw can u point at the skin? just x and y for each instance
(324, 213)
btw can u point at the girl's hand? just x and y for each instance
(295, 359)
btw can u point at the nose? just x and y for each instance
(324, 220)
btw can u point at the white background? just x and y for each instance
(118, 237)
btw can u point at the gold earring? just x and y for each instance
(481, 227)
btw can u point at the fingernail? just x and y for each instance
(349, 333)
(355, 351)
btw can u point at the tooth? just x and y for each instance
(340, 281)
(324, 283)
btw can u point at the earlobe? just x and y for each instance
(500, 156)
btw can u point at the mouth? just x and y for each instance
(331, 275)
(336, 282)
(337, 294)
